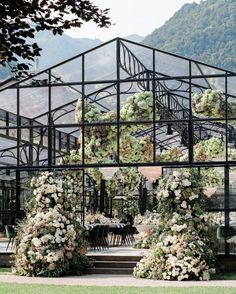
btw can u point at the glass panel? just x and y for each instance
(64, 142)
(169, 65)
(8, 100)
(64, 100)
(172, 142)
(210, 101)
(136, 143)
(68, 72)
(209, 141)
(101, 103)
(100, 64)
(33, 103)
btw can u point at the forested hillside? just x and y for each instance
(205, 31)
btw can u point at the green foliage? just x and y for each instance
(204, 31)
(21, 19)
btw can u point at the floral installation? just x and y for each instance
(101, 141)
(138, 107)
(211, 103)
(145, 239)
(183, 250)
(50, 240)
(131, 180)
(99, 218)
(73, 157)
(170, 155)
(136, 150)
(209, 149)
(149, 218)
(96, 218)
(211, 177)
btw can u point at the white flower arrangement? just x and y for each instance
(138, 107)
(134, 150)
(95, 218)
(209, 104)
(182, 250)
(149, 218)
(50, 239)
(171, 155)
(209, 149)
(101, 141)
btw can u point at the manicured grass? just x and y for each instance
(46, 289)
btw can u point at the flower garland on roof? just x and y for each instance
(211, 103)
(100, 141)
(138, 107)
(136, 150)
(171, 155)
(183, 250)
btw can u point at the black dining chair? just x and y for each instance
(11, 234)
(120, 235)
(124, 235)
(105, 237)
(94, 237)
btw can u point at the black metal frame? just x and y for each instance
(48, 135)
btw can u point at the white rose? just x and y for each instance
(165, 194)
(186, 183)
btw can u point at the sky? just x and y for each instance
(130, 17)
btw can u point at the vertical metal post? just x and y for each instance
(118, 97)
(18, 153)
(31, 144)
(102, 195)
(227, 204)
(226, 118)
(190, 124)
(84, 199)
(83, 129)
(50, 122)
(154, 103)
(83, 106)
(227, 178)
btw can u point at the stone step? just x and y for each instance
(114, 264)
(103, 257)
(109, 271)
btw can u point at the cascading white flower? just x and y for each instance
(49, 237)
(182, 249)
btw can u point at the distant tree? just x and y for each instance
(21, 19)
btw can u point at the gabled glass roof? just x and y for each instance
(95, 75)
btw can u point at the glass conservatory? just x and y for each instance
(121, 108)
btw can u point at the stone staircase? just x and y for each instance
(113, 264)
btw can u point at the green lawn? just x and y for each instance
(5, 270)
(46, 289)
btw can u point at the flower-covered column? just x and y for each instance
(183, 247)
(50, 241)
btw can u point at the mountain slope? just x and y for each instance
(205, 31)
(59, 48)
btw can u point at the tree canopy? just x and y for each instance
(21, 19)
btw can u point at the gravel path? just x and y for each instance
(112, 280)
